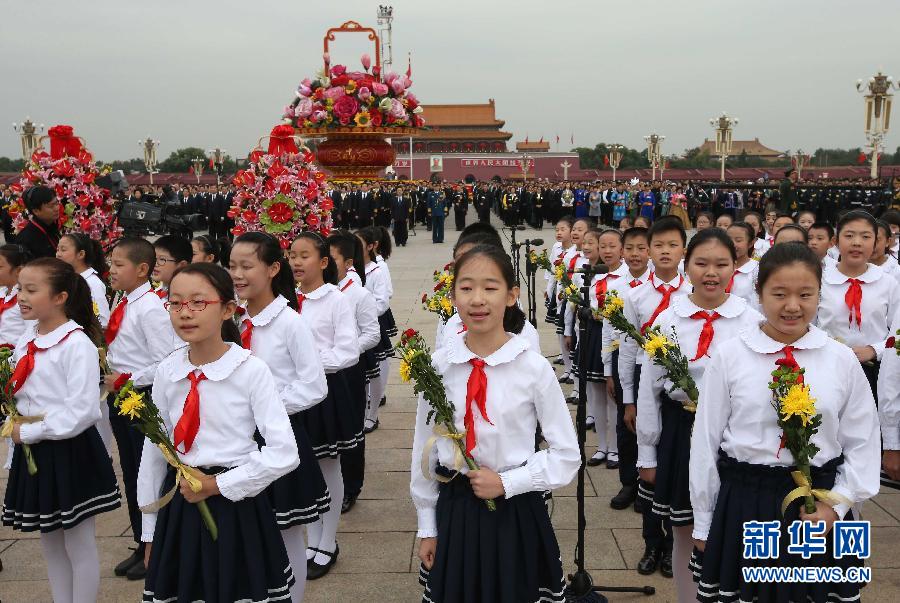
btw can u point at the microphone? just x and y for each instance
(592, 270)
(535, 242)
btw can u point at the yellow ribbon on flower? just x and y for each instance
(442, 432)
(804, 488)
(12, 420)
(612, 347)
(181, 471)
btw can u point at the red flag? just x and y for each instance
(861, 159)
(526, 139)
(606, 161)
(557, 139)
(409, 66)
(191, 170)
(666, 165)
(572, 140)
(542, 139)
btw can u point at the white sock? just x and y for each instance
(331, 470)
(295, 544)
(377, 388)
(682, 547)
(81, 547)
(567, 359)
(59, 568)
(596, 403)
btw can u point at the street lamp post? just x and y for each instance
(801, 160)
(150, 163)
(878, 97)
(614, 157)
(525, 163)
(197, 163)
(30, 133)
(724, 126)
(654, 151)
(218, 161)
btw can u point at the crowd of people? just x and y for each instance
(269, 367)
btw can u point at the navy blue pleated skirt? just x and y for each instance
(385, 349)
(248, 562)
(505, 556)
(334, 425)
(754, 493)
(560, 316)
(672, 493)
(370, 364)
(301, 496)
(550, 304)
(593, 371)
(74, 481)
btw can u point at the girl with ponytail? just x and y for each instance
(85, 255)
(56, 382)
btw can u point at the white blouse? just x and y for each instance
(145, 337)
(454, 329)
(378, 282)
(640, 303)
(282, 340)
(522, 392)
(611, 279)
(64, 386)
(612, 338)
(327, 314)
(880, 302)
(237, 397)
(12, 325)
(889, 393)
(387, 272)
(744, 283)
(98, 295)
(362, 305)
(677, 322)
(556, 253)
(735, 414)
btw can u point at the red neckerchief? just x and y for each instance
(853, 299)
(25, 365)
(247, 333)
(574, 259)
(600, 289)
(116, 318)
(349, 282)
(666, 291)
(300, 298)
(476, 392)
(189, 424)
(4, 306)
(706, 333)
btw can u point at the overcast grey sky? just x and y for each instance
(218, 72)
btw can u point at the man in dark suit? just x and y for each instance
(460, 207)
(365, 204)
(41, 233)
(401, 208)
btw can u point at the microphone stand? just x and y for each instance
(530, 271)
(580, 588)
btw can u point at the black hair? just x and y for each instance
(790, 227)
(608, 231)
(478, 227)
(385, 247)
(93, 251)
(782, 216)
(79, 305)
(748, 229)
(179, 247)
(513, 317)
(38, 196)
(138, 251)
(570, 220)
(587, 221)
(729, 216)
(667, 224)
(635, 232)
(709, 234)
(478, 238)
(886, 228)
(15, 255)
(806, 211)
(709, 216)
(783, 255)
(220, 249)
(221, 281)
(892, 217)
(269, 252)
(822, 226)
(350, 247)
(371, 236)
(852, 216)
(329, 274)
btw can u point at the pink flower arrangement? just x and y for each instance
(283, 193)
(362, 99)
(85, 207)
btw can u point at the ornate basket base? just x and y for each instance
(355, 153)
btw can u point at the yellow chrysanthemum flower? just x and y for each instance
(612, 306)
(433, 304)
(446, 305)
(798, 403)
(558, 272)
(657, 343)
(96, 309)
(404, 371)
(132, 405)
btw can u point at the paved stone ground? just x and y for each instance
(378, 545)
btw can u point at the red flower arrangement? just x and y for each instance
(69, 169)
(341, 98)
(282, 192)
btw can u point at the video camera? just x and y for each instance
(155, 216)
